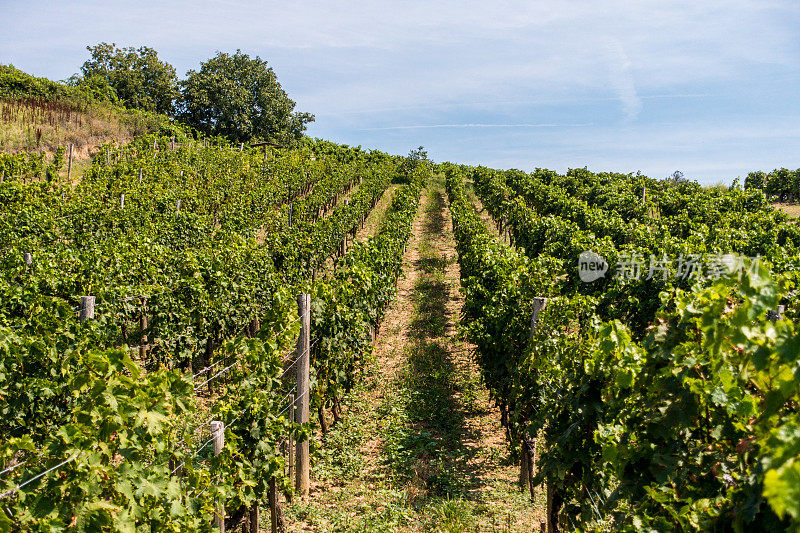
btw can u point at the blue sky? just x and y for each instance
(706, 87)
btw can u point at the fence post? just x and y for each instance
(303, 363)
(69, 166)
(553, 507)
(218, 434)
(277, 524)
(140, 175)
(538, 306)
(527, 448)
(87, 308)
(122, 201)
(292, 419)
(254, 519)
(28, 259)
(177, 207)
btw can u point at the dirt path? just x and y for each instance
(372, 222)
(420, 447)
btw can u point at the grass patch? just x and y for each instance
(411, 451)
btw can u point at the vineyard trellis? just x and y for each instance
(653, 404)
(203, 295)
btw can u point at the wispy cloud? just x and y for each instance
(438, 126)
(622, 80)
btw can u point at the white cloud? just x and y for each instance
(448, 126)
(621, 78)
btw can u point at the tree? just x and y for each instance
(676, 178)
(139, 78)
(240, 98)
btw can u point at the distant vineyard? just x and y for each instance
(782, 184)
(640, 400)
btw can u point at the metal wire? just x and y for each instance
(34, 478)
(12, 468)
(294, 401)
(209, 441)
(297, 358)
(288, 394)
(215, 376)
(212, 365)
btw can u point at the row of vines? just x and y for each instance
(647, 402)
(194, 254)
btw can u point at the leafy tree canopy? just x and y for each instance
(138, 77)
(240, 98)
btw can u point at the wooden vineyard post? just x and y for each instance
(122, 201)
(172, 143)
(524, 467)
(291, 212)
(302, 391)
(553, 506)
(553, 496)
(69, 165)
(177, 207)
(528, 447)
(344, 239)
(218, 434)
(253, 519)
(538, 306)
(140, 175)
(28, 257)
(277, 524)
(292, 419)
(87, 308)
(241, 147)
(143, 327)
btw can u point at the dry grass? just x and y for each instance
(34, 125)
(793, 210)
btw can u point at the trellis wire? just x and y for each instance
(34, 478)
